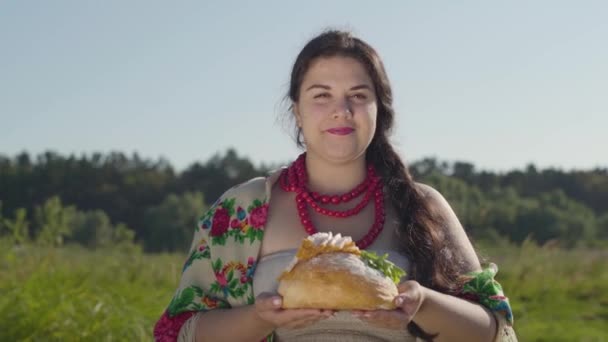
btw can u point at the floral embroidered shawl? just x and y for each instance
(218, 272)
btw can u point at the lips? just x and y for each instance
(340, 130)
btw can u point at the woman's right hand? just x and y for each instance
(268, 309)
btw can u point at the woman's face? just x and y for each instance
(337, 109)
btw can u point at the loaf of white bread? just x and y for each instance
(331, 272)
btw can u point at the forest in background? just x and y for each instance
(100, 200)
(84, 241)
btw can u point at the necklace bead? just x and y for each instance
(295, 179)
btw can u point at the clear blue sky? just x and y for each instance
(498, 84)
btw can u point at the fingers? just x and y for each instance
(307, 313)
(408, 302)
(393, 319)
(407, 286)
(375, 314)
(268, 306)
(268, 301)
(358, 313)
(403, 300)
(297, 318)
(301, 323)
(384, 315)
(328, 312)
(411, 295)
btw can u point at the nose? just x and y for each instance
(343, 108)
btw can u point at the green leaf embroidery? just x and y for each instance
(219, 240)
(259, 234)
(197, 255)
(197, 290)
(483, 284)
(207, 215)
(182, 300)
(239, 292)
(217, 265)
(229, 205)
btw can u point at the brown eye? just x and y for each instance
(321, 96)
(360, 96)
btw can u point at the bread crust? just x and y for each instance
(337, 281)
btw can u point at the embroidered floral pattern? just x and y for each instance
(484, 289)
(167, 328)
(218, 272)
(258, 213)
(227, 223)
(185, 300)
(233, 279)
(200, 252)
(242, 225)
(219, 227)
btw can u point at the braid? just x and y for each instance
(419, 229)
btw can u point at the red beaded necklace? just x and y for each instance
(294, 179)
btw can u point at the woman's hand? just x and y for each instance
(408, 302)
(268, 309)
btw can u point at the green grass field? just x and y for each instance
(71, 294)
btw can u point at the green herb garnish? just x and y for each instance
(382, 264)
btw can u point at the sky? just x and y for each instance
(499, 84)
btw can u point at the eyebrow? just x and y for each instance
(326, 87)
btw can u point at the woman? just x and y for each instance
(349, 181)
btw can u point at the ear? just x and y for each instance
(296, 113)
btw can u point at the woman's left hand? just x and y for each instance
(408, 302)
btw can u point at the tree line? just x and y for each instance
(107, 199)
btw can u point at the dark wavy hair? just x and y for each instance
(434, 263)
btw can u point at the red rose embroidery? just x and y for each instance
(235, 224)
(221, 220)
(257, 217)
(221, 279)
(167, 328)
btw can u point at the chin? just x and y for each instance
(340, 159)
(341, 155)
